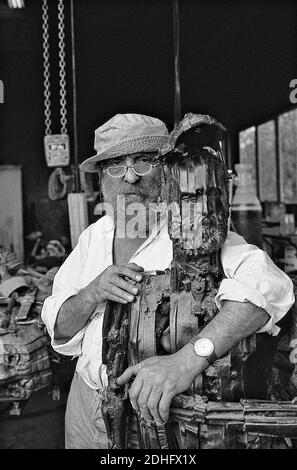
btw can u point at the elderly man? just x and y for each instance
(109, 263)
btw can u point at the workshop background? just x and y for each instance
(236, 62)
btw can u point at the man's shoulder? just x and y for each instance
(234, 239)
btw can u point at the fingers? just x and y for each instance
(115, 298)
(112, 290)
(128, 374)
(117, 283)
(143, 402)
(146, 399)
(131, 271)
(135, 267)
(152, 398)
(164, 405)
(130, 281)
(139, 394)
(120, 281)
(125, 285)
(134, 393)
(153, 404)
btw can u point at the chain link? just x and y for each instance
(46, 68)
(62, 67)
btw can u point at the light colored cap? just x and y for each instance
(126, 134)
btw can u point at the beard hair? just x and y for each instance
(144, 194)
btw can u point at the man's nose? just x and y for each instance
(130, 176)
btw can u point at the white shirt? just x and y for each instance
(250, 276)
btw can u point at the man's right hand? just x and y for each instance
(117, 283)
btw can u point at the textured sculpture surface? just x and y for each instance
(173, 307)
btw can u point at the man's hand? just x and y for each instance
(158, 379)
(116, 283)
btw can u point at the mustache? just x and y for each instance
(135, 188)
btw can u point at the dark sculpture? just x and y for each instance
(174, 306)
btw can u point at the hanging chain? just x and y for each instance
(56, 146)
(46, 69)
(62, 67)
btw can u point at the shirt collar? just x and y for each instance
(160, 229)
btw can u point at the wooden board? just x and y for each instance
(78, 215)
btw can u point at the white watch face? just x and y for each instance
(204, 347)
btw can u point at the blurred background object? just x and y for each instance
(246, 210)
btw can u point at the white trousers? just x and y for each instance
(84, 425)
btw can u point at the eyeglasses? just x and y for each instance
(140, 168)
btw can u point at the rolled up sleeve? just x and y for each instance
(251, 276)
(67, 283)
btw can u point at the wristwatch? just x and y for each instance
(205, 348)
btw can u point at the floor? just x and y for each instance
(41, 424)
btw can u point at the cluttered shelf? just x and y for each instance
(27, 361)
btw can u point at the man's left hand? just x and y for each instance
(157, 380)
